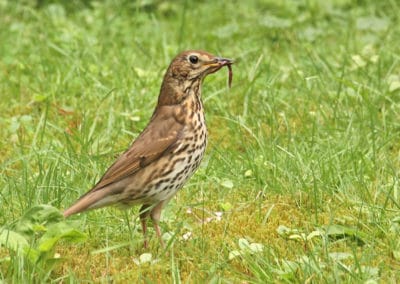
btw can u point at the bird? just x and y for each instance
(167, 152)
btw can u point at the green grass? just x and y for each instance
(303, 157)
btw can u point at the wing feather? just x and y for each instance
(157, 139)
(160, 135)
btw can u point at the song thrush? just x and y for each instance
(167, 152)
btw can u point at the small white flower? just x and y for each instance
(167, 236)
(218, 216)
(189, 211)
(208, 220)
(187, 236)
(234, 254)
(144, 258)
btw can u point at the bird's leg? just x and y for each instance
(144, 213)
(158, 232)
(144, 228)
(155, 215)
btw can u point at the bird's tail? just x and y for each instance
(91, 200)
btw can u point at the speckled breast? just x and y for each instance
(180, 165)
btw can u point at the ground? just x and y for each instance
(300, 180)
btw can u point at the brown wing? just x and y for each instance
(160, 135)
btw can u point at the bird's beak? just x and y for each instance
(219, 62)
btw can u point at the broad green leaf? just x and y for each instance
(248, 173)
(12, 240)
(284, 231)
(314, 234)
(371, 271)
(300, 236)
(340, 255)
(395, 85)
(244, 244)
(359, 61)
(37, 217)
(338, 231)
(39, 98)
(167, 236)
(396, 255)
(59, 231)
(32, 254)
(225, 206)
(256, 247)
(227, 183)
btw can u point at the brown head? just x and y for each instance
(187, 69)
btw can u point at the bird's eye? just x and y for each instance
(193, 59)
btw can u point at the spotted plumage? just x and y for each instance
(168, 151)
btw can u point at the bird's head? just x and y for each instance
(188, 69)
(192, 64)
